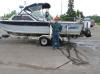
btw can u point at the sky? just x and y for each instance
(88, 7)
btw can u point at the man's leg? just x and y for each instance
(58, 41)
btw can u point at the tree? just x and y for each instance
(7, 16)
(70, 12)
(95, 17)
(70, 15)
(63, 17)
(79, 14)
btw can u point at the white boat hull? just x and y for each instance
(26, 29)
(67, 28)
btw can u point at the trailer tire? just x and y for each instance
(44, 41)
(88, 33)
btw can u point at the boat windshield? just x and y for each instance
(38, 15)
(36, 10)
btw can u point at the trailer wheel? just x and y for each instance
(88, 33)
(44, 41)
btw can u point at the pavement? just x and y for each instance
(23, 56)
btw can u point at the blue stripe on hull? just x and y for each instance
(25, 23)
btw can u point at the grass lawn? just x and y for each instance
(98, 23)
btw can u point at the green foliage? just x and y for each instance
(7, 16)
(71, 14)
(79, 13)
(72, 17)
(71, 11)
(65, 17)
(98, 23)
(95, 17)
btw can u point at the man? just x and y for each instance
(56, 28)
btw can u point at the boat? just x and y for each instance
(31, 21)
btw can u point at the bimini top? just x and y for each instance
(37, 6)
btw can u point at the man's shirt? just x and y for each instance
(56, 27)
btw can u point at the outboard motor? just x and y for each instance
(87, 30)
(87, 33)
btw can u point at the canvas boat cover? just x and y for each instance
(37, 6)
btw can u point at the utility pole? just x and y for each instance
(61, 7)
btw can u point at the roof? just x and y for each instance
(37, 6)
